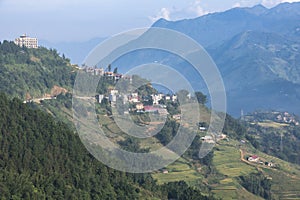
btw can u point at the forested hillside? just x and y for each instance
(41, 158)
(28, 73)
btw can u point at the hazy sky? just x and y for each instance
(80, 20)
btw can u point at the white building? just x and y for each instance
(202, 128)
(134, 97)
(100, 97)
(253, 158)
(174, 97)
(208, 139)
(189, 96)
(156, 98)
(112, 98)
(27, 41)
(99, 71)
(113, 92)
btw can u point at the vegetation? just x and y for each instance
(233, 128)
(275, 138)
(28, 73)
(258, 184)
(60, 108)
(201, 98)
(168, 132)
(42, 158)
(180, 190)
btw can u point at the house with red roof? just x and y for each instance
(253, 158)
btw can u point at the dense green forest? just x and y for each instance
(41, 158)
(257, 184)
(26, 73)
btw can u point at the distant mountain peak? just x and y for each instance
(161, 22)
(260, 6)
(285, 10)
(257, 10)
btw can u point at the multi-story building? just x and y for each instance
(27, 41)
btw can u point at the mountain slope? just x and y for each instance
(41, 158)
(28, 73)
(76, 51)
(260, 71)
(257, 52)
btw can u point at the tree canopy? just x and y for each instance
(32, 72)
(42, 158)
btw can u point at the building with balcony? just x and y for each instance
(27, 41)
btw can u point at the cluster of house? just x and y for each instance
(256, 159)
(286, 118)
(213, 139)
(158, 97)
(138, 102)
(101, 72)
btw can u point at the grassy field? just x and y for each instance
(271, 124)
(179, 170)
(152, 143)
(227, 160)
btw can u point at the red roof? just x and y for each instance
(254, 156)
(150, 108)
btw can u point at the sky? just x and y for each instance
(82, 20)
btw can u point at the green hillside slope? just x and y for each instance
(30, 73)
(41, 158)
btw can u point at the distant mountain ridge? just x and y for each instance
(218, 27)
(260, 70)
(261, 52)
(257, 52)
(76, 51)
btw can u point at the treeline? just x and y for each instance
(26, 73)
(258, 184)
(233, 128)
(42, 158)
(180, 190)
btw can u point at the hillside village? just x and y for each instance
(276, 116)
(154, 103)
(150, 103)
(241, 156)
